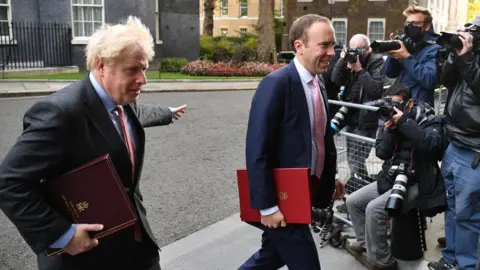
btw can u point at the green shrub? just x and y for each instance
(207, 45)
(173, 64)
(244, 54)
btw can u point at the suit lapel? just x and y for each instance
(301, 103)
(100, 119)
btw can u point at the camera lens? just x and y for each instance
(384, 113)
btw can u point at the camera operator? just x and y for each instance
(332, 88)
(414, 64)
(413, 140)
(362, 73)
(460, 163)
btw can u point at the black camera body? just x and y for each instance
(453, 40)
(383, 46)
(385, 107)
(352, 54)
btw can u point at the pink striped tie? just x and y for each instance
(319, 125)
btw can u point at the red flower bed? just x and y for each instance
(208, 68)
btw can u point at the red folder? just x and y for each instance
(293, 195)
(91, 194)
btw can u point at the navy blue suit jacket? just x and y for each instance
(279, 136)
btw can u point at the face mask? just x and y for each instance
(414, 32)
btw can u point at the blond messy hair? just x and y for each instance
(414, 9)
(112, 42)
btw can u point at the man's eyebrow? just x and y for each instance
(325, 42)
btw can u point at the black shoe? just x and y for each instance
(441, 242)
(393, 266)
(342, 208)
(441, 265)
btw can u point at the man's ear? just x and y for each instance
(409, 104)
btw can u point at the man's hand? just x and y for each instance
(178, 112)
(339, 190)
(401, 53)
(274, 220)
(357, 66)
(81, 240)
(467, 41)
(392, 123)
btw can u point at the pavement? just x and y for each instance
(17, 88)
(188, 183)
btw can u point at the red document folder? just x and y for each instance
(293, 195)
(91, 194)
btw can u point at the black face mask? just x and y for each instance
(414, 32)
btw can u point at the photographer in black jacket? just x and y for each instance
(460, 170)
(362, 73)
(412, 137)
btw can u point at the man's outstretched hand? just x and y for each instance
(179, 111)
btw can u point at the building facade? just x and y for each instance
(375, 18)
(235, 17)
(173, 23)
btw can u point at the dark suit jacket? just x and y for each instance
(62, 132)
(279, 136)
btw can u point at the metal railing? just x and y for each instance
(29, 45)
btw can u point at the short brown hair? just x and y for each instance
(413, 9)
(300, 27)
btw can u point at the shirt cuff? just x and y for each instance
(269, 211)
(63, 241)
(171, 109)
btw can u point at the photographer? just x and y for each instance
(460, 164)
(412, 137)
(362, 73)
(414, 64)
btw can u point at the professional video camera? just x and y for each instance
(352, 54)
(453, 40)
(382, 46)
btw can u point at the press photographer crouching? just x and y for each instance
(461, 76)
(410, 143)
(362, 73)
(412, 55)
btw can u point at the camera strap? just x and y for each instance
(476, 160)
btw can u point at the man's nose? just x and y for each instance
(142, 78)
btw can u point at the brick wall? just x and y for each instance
(357, 13)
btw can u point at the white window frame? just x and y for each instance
(221, 31)
(6, 39)
(222, 8)
(382, 20)
(240, 30)
(84, 39)
(282, 8)
(345, 20)
(157, 24)
(243, 7)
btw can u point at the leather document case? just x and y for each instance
(91, 194)
(293, 195)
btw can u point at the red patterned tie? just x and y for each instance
(319, 125)
(127, 139)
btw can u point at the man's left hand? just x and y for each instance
(467, 41)
(339, 190)
(401, 53)
(355, 66)
(179, 111)
(392, 123)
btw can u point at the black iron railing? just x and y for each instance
(29, 45)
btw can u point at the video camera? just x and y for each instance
(453, 40)
(352, 54)
(382, 46)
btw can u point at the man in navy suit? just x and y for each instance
(288, 128)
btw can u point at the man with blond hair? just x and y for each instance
(95, 116)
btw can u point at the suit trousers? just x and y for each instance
(292, 246)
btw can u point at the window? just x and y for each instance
(244, 8)
(224, 32)
(340, 26)
(87, 16)
(5, 18)
(376, 29)
(282, 8)
(224, 8)
(243, 31)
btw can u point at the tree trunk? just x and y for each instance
(266, 31)
(209, 6)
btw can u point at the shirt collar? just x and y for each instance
(305, 75)
(106, 99)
